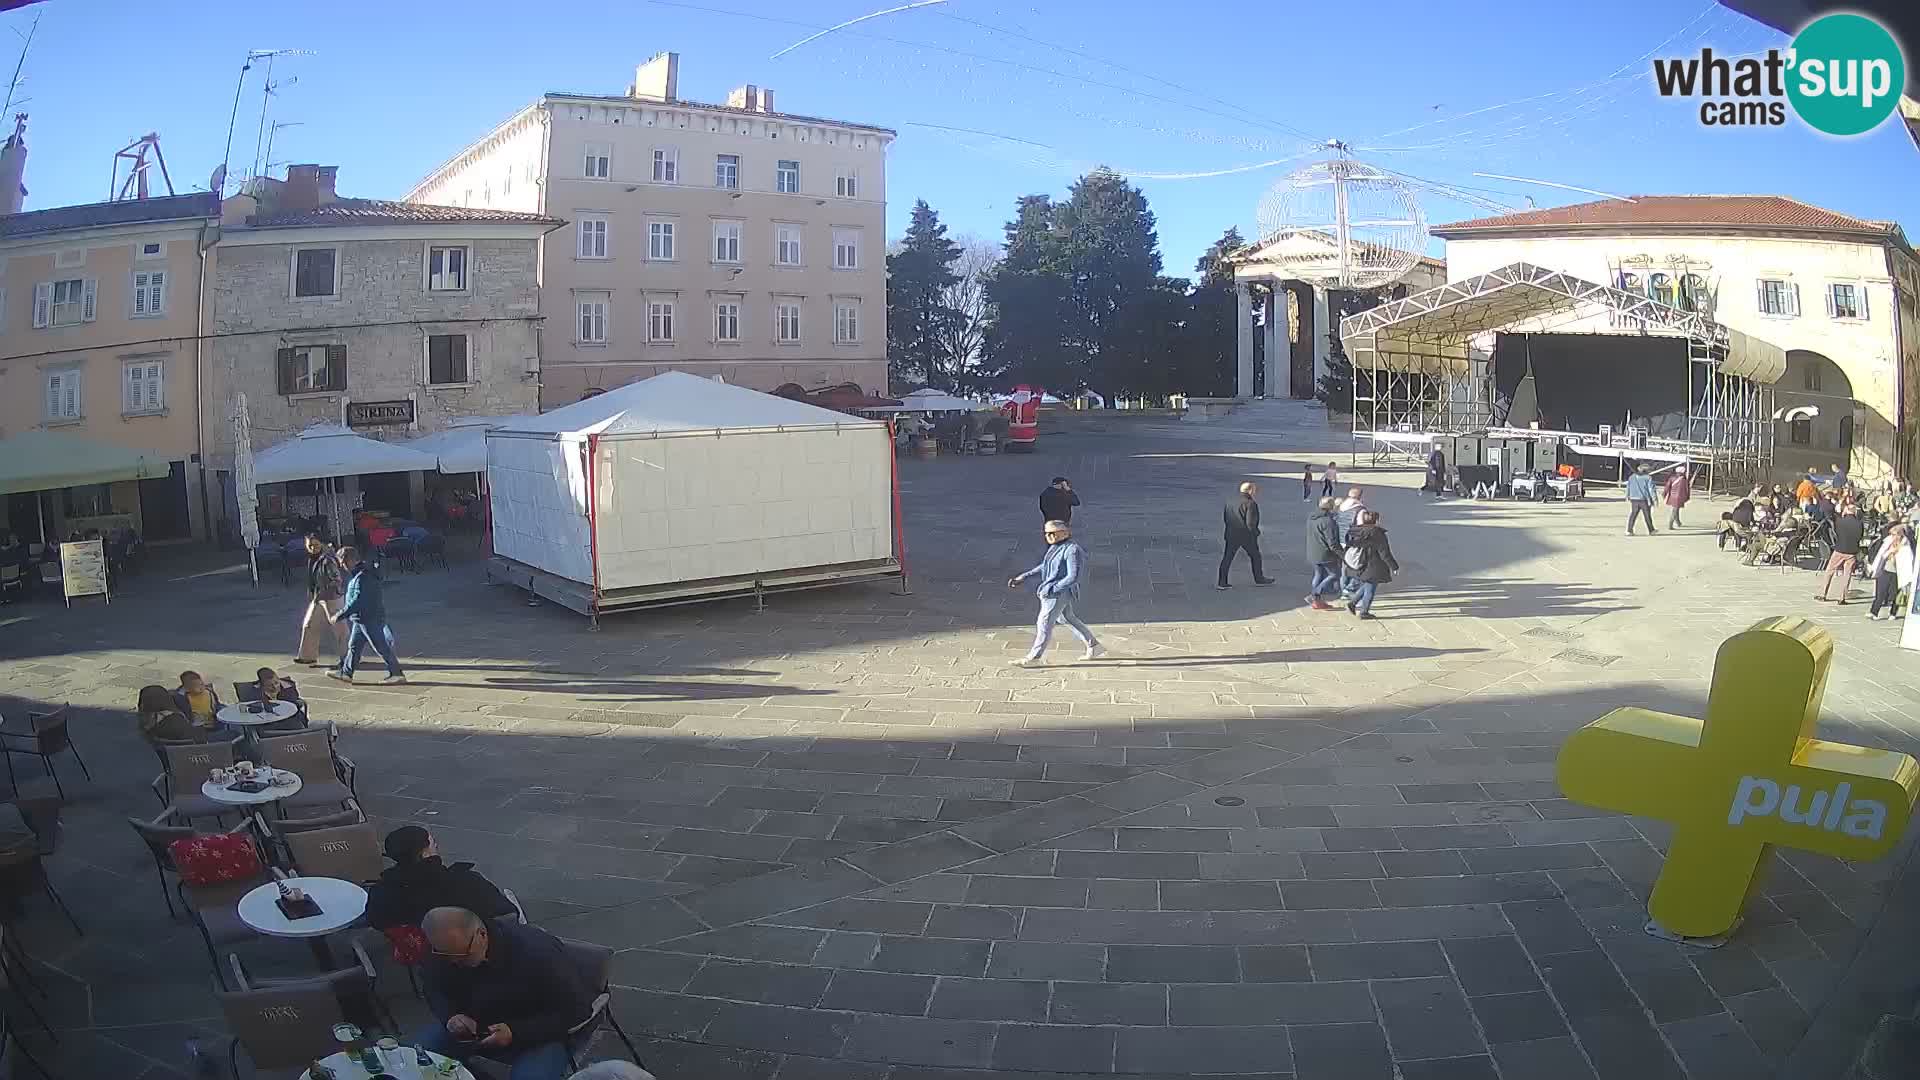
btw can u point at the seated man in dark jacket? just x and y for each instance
(502, 991)
(418, 882)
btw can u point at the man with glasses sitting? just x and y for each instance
(502, 991)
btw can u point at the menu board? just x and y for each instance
(83, 569)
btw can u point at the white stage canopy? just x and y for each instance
(326, 450)
(462, 448)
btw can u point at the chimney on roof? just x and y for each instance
(658, 79)
(751, 98)
(307, 187)
(13, 167)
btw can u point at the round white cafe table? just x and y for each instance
(345, 1068)
(341, 904)
(221, 793)
(240, 716)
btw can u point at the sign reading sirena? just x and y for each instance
(379, 413)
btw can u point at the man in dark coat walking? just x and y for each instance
(365, 612)
(1323, 552)
(1242, 519)
(1058, 500)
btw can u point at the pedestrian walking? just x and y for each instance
(1369, 558)
(1847, 532)
(1436, 473)
(1892, 571)
(1306, 483)
(1329, 478)
(1242, 519)
(324, 585)
(1346, 515)
(1059, 574)
(1058, 500)
(365, 611)
(1679, 490)
(1323, 552)
(1640, 498)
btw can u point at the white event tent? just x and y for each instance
(678, 488)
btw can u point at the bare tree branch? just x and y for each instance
(964, 335)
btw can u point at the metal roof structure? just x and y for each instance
(1429, 332)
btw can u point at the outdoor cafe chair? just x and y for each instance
(12, 581)
(284, 1026)
(45, 737)
(9, 1046)
(215, 909)
(159, 836)
(178, 788)
(347, 852)
(21, 868)
(358, 983)
(326, 778)
(595, 964)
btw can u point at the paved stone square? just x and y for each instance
(843, 838)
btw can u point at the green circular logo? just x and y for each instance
(1847, 74)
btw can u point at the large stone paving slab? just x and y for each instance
(843, 838)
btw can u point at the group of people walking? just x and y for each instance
(345, 598)
(1346, 544)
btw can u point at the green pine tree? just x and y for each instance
(918, 275)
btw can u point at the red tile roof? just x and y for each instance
(389, 212)
(100, 215)
(1739, 212)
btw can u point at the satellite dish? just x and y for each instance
(1342, 223)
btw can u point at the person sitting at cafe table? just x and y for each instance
(161, 720)
(503, 991)
(419, 881)
(201, 703)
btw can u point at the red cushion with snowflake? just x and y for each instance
(215, 860)
(408, 943)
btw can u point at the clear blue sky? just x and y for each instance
(1044, 91)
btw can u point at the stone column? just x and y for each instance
(1278, 367)
(1322, 326)
(1243, 338)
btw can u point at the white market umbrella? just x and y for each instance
(246, 495)
(328, 452)
(462, 448)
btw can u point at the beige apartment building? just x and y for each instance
(728, 240)
(100, 323)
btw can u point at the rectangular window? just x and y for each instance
(846, 184)
(149, 293)
(660, 320)
(726, 241)
(726, 321)
(446, 269)
(786, 245)
(312, 369)
(846, 322)
(1801, 432)
(786, 177)
(447, 360)
(152, 250)
(660, 240)
(145, 389)
(726, 171)
(63, 303)
(315, 272)
(1846, 301)
(593, 317)
(63, 395)
(786, 323)
(666, 165)
(88, 500)
(593, 237)
(598, 163)
(846, 249)
(1779, 297)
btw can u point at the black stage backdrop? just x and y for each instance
(1585, 380)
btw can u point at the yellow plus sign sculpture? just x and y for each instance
(1750, 776)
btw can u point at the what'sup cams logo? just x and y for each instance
(1842, 74)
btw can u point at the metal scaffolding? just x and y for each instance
(1423, 363)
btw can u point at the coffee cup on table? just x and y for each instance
(217, 775)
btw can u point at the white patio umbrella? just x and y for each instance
(246, 494)
(462, 448)
(328, 452)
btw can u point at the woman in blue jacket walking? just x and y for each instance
(1059, 574)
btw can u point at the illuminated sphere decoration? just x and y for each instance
(1342, 224)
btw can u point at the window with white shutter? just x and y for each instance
(145, 387)
(1846, 300)
(63, 303)
(149, 293)
(63, 395)
(666, 165)
(1778, 298)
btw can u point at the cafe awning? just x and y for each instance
(48, 460)
(325, 450)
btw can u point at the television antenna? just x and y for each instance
(19, 67)
(233, 115)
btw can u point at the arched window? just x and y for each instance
(1802, 431)
(1846, 433)
(1660, 287)
(1693, 293)
(1629, 282)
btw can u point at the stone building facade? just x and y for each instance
(728, 240)
(393, 319)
